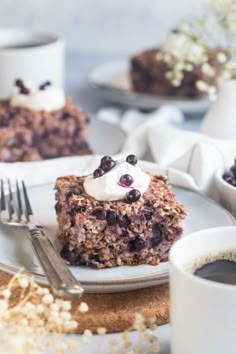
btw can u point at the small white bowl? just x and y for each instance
(227, 193)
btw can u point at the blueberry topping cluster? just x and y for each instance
(126, 180)
(230, 175)
(25, 91)
(106, 164)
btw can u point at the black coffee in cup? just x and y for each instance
(220, 268)
(220, 271)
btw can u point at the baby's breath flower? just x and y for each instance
(208, 69)
(169, 75)
(83, 307)
(6, 293)
(74, 325)
(176, 83)
(202, 86)
(88, 333)
(55, 307)
(47, 299)
(3, 305)
(188, 67)
(167, 58)
(179, 66)
(212, 90)
(65, 315)
(66, 305)
(41, 323)
(221, 57)
(40, 308)
(101, 330)
(29, 306)
(23, 282)
(42, 291)
(37, 313)
(66, 325)
(24, 322)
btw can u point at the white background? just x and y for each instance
(99, 25)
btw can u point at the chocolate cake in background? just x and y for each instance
(180, 67)
(100, 232)
(38, 124)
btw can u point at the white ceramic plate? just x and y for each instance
(112, 79)
(16, 253)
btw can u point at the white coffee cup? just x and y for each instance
(30, 55)
(203, 312)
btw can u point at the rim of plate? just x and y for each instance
(41, 278)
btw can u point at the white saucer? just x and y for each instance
(16, 252)
(112, 79)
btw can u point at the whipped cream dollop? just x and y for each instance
(109, 188)
(48, 98)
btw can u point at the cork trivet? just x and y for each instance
(116, 311)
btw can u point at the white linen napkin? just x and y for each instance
(189, 159)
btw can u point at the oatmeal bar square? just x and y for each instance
(105, 234)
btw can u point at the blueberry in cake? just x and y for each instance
(181, 67)
(119, 215)
(40, 123)
(230, 175)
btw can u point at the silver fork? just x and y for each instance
(16, 210)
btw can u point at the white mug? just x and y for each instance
(203, 312)
(30, 55)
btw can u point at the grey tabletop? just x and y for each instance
(78, 67)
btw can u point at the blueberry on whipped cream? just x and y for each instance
(22, 89)
(132, 159)
(117, 180)
(230, 175)
(126, 180)
(133, 195)
(44, 85)
(46, 97)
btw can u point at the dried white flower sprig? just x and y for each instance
(189, 46)
(33, 321)
(24, 302)
(214, 25)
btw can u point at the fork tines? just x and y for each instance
(14, 205)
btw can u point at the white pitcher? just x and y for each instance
(220, 121)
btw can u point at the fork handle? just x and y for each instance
(63, 283)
